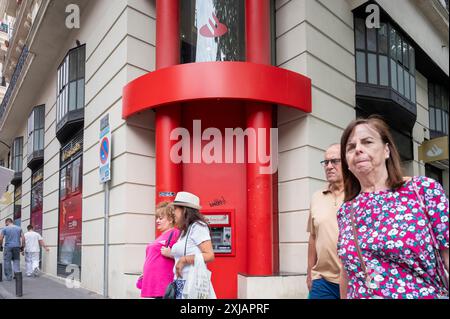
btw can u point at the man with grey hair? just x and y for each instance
(14, 243)
(323, 261)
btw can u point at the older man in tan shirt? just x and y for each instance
(323, 261)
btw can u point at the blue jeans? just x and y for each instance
(322, 289)
(11, 254)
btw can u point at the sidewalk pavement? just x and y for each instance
(44, 287)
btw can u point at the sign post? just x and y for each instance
(105, 176)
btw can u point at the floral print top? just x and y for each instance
(395, 241)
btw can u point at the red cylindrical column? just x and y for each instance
(168, 174)
(167, 33)
(259, 186)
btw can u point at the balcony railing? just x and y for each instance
(12, 84)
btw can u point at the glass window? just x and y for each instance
(412, 60)
(382, 39)
(212, 30)
(17, 155)
(445, 100)
(399, 49)
(372, 68)
(430, 94)
(438, 120)
(360, 67)
(407, 89)
(72, 95)
(73, 59)
(401, 84)
(81, 63)
(445, 122)
(17, 214)
(384, 73)
(360, 31)
(80, 94)
(372, 39)
(393, 43)
(36, 203)
(405, 55)
(393, 74)
(70, 208)
(41, 139)
(437, 96)
(71, 82)
(432, 119)
(35, 126)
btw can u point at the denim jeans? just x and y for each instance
(322, 289)
(11, 255)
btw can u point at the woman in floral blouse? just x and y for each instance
(392, 228)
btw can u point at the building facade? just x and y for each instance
(68, 64)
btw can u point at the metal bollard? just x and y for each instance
(1, 272)
(19, 290)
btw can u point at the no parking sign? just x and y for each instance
(105, 150)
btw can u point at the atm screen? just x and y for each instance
(221, 239)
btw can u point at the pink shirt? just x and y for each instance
(157, 268)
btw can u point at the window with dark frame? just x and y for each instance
(17, 213)
(70, 205)
(385, 58)
(36, 130)
(70, 83)
(36, 205)
(17, 155)
(438, 109)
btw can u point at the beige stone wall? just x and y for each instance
(314, 38)
(421, 128)
(120, 46)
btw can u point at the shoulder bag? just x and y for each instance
(171, 290)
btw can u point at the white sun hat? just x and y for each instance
(186, 199)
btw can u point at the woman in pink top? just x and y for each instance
(158, 266)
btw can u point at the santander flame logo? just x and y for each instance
(215, 29)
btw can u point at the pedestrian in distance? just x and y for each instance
(14, 244)
(323, 262)
(33, 244)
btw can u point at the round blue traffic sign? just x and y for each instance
(104, 150)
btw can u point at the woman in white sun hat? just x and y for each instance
(195, 237)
